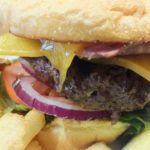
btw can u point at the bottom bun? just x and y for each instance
(78, 135)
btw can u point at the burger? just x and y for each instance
(85, 60)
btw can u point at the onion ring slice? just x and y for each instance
(53, 105)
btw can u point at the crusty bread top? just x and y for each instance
(78, 20)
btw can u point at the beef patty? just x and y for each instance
(96, 86)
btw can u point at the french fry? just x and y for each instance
(139, 142)
(16, 131)
(34, 145)
(77, 135)
(98, 146)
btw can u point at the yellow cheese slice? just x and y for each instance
(12, 45)
(139, 64)
(62, 55)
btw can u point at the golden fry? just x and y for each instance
(139, 142)
(34, 145)
(16, 131)
(98, 146)
(76, 135)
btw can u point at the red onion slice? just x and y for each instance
(27, 67)
(51, 105)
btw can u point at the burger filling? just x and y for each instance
(103, 86)
(96, 86)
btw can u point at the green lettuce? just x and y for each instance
(138, 120)
(6, 104)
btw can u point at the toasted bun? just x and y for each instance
(78, 20)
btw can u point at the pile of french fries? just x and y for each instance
(30, 132)
(17, 132)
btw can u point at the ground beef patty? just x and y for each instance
(97, 86)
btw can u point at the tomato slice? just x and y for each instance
(14, 71)
(44, 89)
(10, 74)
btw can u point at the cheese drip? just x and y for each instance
(62, 55)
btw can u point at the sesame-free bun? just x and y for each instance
(78, 20)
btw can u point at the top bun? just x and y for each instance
(78, 20)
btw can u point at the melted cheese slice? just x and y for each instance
(62, 55)
(138, 63)
(11, 45)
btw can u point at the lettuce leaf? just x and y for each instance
(138, 120)
(6, 104)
